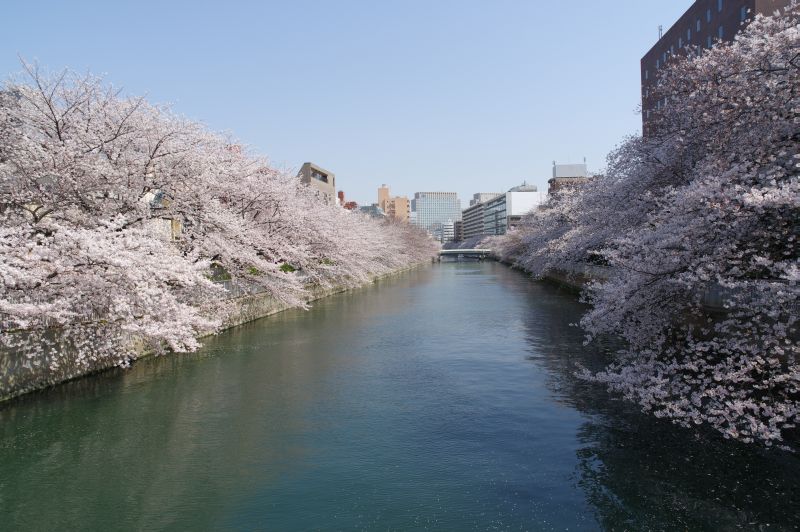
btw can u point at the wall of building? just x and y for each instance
(570, 170)
(703, 24)
(494, 216)
(507, 210)
(436, 208)
(397, 207)
(473, 220)
(458, 231)
(322, 181)
(383, 196)
(483, 197)
(521, 203)
(561, 183)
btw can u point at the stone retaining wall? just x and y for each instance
(20, 375)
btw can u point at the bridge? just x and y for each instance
(472, 253)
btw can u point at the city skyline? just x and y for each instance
(459, 96)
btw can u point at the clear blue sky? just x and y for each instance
(464, 95)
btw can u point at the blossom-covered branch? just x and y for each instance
(116, 214)
(708, 202)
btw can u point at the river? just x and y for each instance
(442, 398)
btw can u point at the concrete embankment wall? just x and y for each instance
(713, 299)
(20, 375)
(571, 280)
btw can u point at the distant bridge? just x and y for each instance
(476, 253)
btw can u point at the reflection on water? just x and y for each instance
(443, 398)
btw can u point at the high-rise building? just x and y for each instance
(505, 211)
(435, 208)
(703, 24)
(320, 180)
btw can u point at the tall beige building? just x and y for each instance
(397, 207)
(383, 196)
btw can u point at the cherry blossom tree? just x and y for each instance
(708, 203)
(116, 215)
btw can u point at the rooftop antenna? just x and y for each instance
(660, 31)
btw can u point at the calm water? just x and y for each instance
(440, 399)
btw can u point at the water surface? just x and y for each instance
(443, 398)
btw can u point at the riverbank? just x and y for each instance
(572, 282)
(20, 375)
(714, 299)
(444, 397)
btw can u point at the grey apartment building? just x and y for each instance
(474, 214)
(703, 24)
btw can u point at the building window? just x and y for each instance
(689, 35)
(698, 25)
(646, 74)
(658, 64)
(672, 50)
(708, 15)
(709, 42)
(720, 32)
(719, 6)
(743, 14)
(680, 43)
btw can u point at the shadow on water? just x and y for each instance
(443, 398)
(641, 473)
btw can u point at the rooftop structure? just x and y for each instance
(567, 175)
(320, 180)
(483, 197)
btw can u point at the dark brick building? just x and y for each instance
(703, 24)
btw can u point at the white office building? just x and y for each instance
(505, 211)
